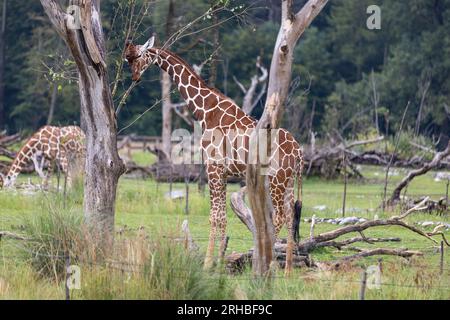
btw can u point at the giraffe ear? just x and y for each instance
(149, 44)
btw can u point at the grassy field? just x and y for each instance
(142, 203)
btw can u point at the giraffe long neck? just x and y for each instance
(22, 159)
(198, 96)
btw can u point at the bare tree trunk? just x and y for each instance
(424, 85)
(103, 166)
(52, 103)
(167, 105)
(292, 27)
(249, 102)
(215, 39)
(375, 101)
(166, 88)
(2, 65)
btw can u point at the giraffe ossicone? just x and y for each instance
(226, 130)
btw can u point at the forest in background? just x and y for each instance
(346, 78)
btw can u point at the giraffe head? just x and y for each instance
(7, 181)
(134, 55)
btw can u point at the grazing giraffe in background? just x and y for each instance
(48, 143)
(226, 130)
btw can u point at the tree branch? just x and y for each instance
(56, 15)
(306, 15)
(418, 172)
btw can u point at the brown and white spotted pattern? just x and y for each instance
(52, 144)
(226, 131)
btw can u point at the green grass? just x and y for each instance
(143, 203)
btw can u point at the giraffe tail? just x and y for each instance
(298, 205)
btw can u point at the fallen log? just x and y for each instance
(11, 235)
(328, 239)
(328, 162)
(6, 141)
(7, 153)
(336, 264)
(395, 197)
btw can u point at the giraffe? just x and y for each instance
(226, 131)
(48, 143)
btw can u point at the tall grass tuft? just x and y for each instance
(154, 268)
(138, 267)
(53, 234)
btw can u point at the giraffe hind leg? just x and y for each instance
(48, 176)
(276, 192)
(289, 212)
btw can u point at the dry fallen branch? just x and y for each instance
(328, 239)
(11, 235)
(6, 141)
(373, 252)
(328, 159)
(242, 211)
(395, 197)
(340, 244)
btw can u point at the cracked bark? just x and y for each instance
(292, 27)
(103, 165)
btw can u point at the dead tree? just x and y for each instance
(2, 64)
(166, 88)
(292, 27)
(327, 160)
(329, 239)
(249, 102)
(5, 143)
(81, 29)
(423, 86)
(395, 197)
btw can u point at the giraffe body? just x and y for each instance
(226, 132)
(48, 143)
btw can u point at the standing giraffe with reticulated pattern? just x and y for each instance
(50, 143)
(226, 130)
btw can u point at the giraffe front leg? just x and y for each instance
(38, 161)
(48, 176)
(217, 219)
(64, 162)
(289, 211)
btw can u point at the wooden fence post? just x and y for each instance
(157, 173)
(446, 194)
(344, 164)
(67, 266)
(442, 258)
(58, 176)
(65, 190)
(186, 182)
(171, 178)
(362, 290)
(380, 265)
